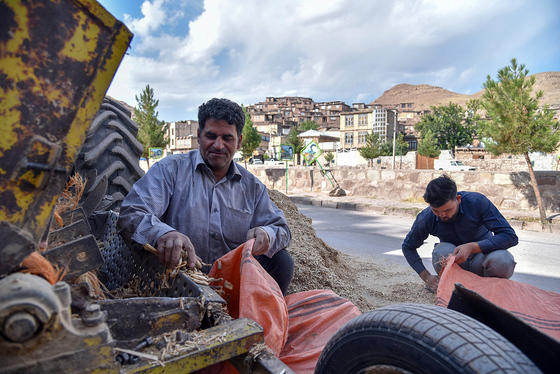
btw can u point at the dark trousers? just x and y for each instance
(280, 267)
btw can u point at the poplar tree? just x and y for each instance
(516, 124)
(151, 132)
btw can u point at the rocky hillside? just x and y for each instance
(423, 96)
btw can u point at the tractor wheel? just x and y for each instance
(111, 148)
(417, 338)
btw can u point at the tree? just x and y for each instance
(372, 148)
(251, 138)
(329, 156)
(448, 125)
(515, 124)
(295, 141)
(401, 148)
(428, 146)
(308, 125)
(151, 132)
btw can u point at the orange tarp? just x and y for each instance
(537, 307)
(295, 328)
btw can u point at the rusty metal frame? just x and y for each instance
(57, 59)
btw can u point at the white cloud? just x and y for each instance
(327, 50)
(154, 15)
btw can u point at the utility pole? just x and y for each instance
(394, 136)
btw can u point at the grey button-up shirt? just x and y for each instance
(180, 193)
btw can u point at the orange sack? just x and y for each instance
(295, 328)
(537, 307)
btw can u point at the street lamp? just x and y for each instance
(394, 135)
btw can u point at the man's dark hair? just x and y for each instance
(440, 190)
(222, 109)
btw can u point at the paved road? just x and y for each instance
(537, 254)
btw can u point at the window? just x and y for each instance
(362, 119)
(349, 138)
(349, 121)
(362, 137)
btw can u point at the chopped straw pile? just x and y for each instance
(366, 282)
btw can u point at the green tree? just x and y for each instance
(308, 125)
(372, 148)
(516, 124)
(329, 156)
(296, 142)
(401, 148)
(449, 126)
(151, 132)
(251, 138)
(428, 145)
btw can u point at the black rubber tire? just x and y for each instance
(111, 148)
(418, 338)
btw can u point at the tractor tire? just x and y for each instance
(417, 338)
(111, 148)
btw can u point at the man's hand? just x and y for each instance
(262, 241)
(169, 247)
(432, 281)
(463, 251)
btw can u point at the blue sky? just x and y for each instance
(189, 51)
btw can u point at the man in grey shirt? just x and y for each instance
(206, 204)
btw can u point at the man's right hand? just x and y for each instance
(432, 281)
(169, 247)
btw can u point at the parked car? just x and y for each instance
(274, 161)
(451, 165)
(255, 161)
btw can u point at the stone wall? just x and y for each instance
(489, 162)
(509, 190)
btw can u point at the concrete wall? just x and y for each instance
(509, 190)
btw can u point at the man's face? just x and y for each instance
(448, 211)
(218, 143)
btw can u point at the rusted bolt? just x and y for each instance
(20, 327)
(93, 316)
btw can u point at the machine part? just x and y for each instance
(95, 196)
(149, 316)
(76, 257)
(122, 263)
(111, 148)
(542, 349)
(38, 333)
(417, 338)
(53, 82)
(68, 233)
(217, 344)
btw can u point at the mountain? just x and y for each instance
(423, 96)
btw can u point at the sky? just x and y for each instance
(190, 51)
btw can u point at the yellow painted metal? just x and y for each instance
(57, 59)
(225, 341)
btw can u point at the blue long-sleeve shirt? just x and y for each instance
(181, 193)
(478, 220)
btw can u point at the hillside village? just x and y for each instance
(342, 128)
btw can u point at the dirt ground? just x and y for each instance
(366, 281)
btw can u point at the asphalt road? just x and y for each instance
(537, 254)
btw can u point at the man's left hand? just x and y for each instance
(463, 251)
(262, 242)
